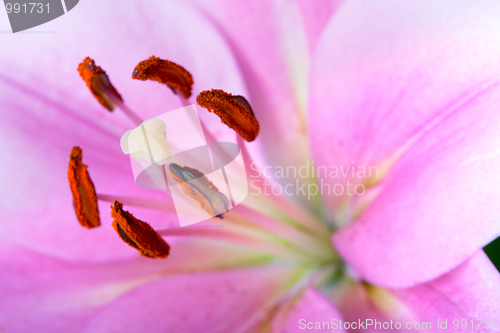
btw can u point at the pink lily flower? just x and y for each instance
(410, 88)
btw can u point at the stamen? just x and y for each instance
(197, 186)
(160, 205)
(138, 234)
(128, 112)
(245, 238)
(83, 190)
(99, 85)
(174, 76)
(234, 111)
(97, 80)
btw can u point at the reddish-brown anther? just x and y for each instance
(83, 190)
(174, 76)
(234, 111)
(98, 82)
(138, 234)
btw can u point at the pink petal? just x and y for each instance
(468, 293)
(51, 295)
(355, 306)
(315, 15)
(48, 109)
(311, 308)
(414, 84)
(223, 301)
(44, 294)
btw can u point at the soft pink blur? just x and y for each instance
(411, 87)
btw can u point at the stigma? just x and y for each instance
(147, 142)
